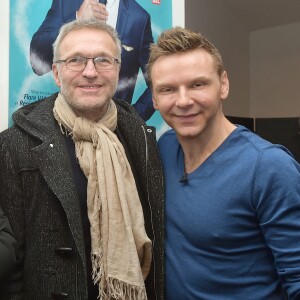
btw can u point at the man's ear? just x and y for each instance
(154, 103)
(55, 75)
(224, 86)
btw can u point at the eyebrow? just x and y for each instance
(162, 85)
(84, 55)
(167, 83)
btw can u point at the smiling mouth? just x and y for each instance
(90, 86)
(91, 89)
(189, 116)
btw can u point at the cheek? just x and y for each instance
(113, 82)
(115, 77)
(111, 75)
(163, 104)
(208, 97)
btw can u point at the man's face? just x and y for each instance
(188, 92)
(88, 92)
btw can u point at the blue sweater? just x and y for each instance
(232, 230)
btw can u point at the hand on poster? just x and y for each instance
(92, 9)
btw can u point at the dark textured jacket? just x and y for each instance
(7, 246)
(38, 195)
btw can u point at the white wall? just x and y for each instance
(263, 66)
(275, 72)
(214, 20)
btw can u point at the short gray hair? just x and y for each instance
(83, 24)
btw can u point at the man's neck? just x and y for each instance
(197, 150)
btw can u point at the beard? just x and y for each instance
(88, 104)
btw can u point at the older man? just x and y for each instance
(81, 182)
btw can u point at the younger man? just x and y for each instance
(232, 198)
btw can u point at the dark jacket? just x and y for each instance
(38, 194)
(7, 246)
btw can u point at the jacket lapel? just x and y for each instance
(122, 18)
(54, 164)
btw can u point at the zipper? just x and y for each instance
(147, 159)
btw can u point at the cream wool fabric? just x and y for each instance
(121, 251)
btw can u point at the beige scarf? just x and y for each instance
(121, 251)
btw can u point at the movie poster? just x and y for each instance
(25, 86)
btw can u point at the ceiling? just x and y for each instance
(262, 14)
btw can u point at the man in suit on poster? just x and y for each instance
(133, 25)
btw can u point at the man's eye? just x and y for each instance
(166, 90)
(198, 84)
(103, 60)
(76, 60)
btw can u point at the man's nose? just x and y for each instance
(90, 69)
(183, 98)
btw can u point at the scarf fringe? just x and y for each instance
(112, 288)
(97, 267)
(120, 290)
(63, 130)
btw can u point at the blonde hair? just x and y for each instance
(182, 40)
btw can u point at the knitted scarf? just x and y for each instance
(120, 249)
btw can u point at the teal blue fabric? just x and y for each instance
(232, 230)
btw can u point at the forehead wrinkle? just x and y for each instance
(88, 46)
(81, 54)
